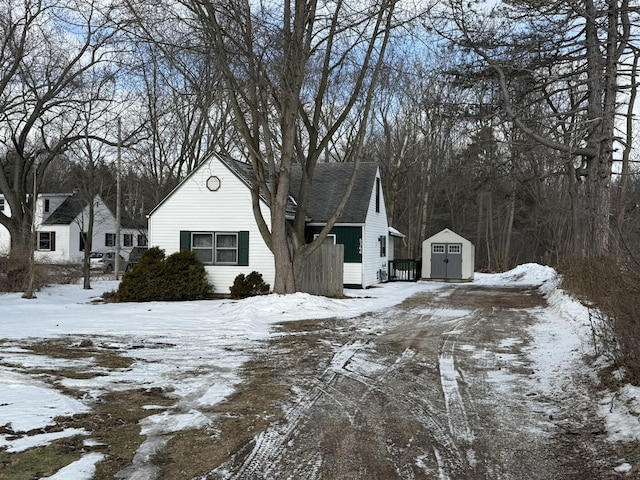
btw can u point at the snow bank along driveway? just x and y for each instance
(460, 381)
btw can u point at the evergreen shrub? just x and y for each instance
(181, 276)
(249, 286)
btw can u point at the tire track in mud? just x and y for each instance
(433, 389)
(358, 363)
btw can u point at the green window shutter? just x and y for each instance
(243, 248)
(185, 240)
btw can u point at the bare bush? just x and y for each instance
(612, 293)
(14, 273)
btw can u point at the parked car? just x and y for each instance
(135, 256)
(105, 261)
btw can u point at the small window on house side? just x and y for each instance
(46, 205)
(46, 241)
(127, 240)
(377, 195)
(1, 204)
(383, 245)
(142, 240)
(109, 239)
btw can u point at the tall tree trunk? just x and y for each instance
(506, 245)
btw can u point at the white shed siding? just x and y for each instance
(194, 208)
(448, 236)
(376, 226)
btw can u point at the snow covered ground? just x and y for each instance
(169, 339)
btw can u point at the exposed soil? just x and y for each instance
(439, 387)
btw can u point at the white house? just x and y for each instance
(448, 256)
(62, 220)
(210, 213)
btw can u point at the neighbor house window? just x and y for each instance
(109, 239)
(47, 241)
(377, 195)
(383, 245)
(217, 248)
(46, 205)
(127, 240)
(142, 240)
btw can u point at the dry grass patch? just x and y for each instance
(113, 425)
(107, 357)
(257, 403)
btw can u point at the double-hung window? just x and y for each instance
(109, 239)
(47, 241)
(217, 248)
(127, 240)
(202, 246)
(226, 248)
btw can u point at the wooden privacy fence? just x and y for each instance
(324, 271)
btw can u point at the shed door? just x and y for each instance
(446, 260)
(454, 260)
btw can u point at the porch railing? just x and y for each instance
(405, 270)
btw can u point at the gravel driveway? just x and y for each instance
(444, 386)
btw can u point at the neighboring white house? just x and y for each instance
(210, 213)
(62, 221)
(448, 256)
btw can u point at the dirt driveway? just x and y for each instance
(440, 387)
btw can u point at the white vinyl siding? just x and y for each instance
(193, 207)
(375, 228)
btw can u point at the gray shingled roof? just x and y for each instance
(330, 181)
(67, 211)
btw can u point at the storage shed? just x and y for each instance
(448, 256)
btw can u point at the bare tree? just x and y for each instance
(569, 53)
(47, 52)
(296, 77)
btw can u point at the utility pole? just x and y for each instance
(118, 193)
(29, 291)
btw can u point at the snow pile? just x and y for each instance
(622, 412)
(528, 274)
(167, 339)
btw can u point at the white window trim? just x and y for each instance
(214, 249)
(330, 236)
(39, 242)
(217, 249)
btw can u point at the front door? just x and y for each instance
(446, 261)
